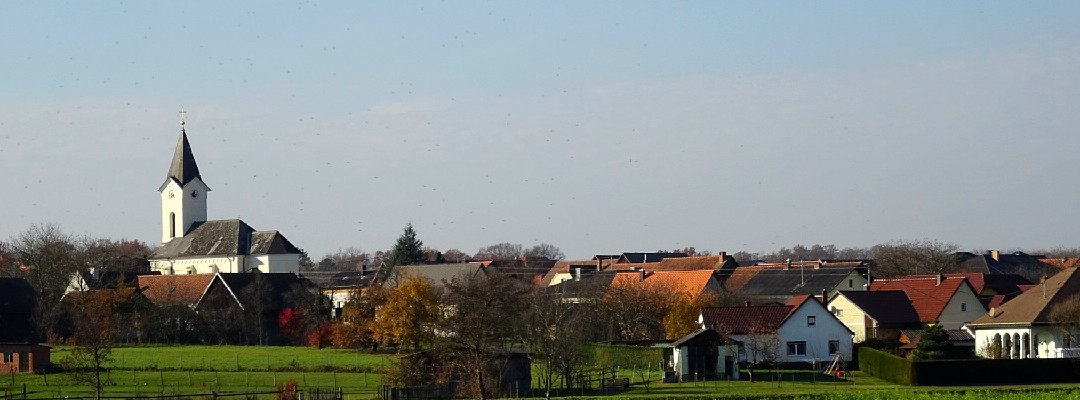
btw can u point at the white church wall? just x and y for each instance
(274, 263)
(209, 265)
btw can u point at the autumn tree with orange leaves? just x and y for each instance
(682, 317)
(408, 315)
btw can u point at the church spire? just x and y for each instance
(183, 168)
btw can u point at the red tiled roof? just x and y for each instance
(174, 289)
(927, 297)
(741, 320)
(1004, 284)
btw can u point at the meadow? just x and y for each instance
(253, 371)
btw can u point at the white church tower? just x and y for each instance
(183, 195)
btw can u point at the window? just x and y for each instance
(963, 306)
(811, 320)
(834, 347)
(172, 225)
(8, 357)
(839, 312)
(850, 283)
(796, 348)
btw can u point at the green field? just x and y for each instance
(203, 371)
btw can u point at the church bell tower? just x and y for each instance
(183, 194)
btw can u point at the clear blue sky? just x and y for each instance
(599, 127)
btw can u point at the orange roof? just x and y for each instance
(1061, 263)
(740, 276)
(689, 282)
(174, 289)
(927, 297)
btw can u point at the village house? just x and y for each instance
(24, 358)
(880, 315)
(781, 281)
(938, 299)
(1025, 327)
(995, 262)
(799, 331)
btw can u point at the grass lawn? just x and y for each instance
(240, 358)
(202, 370)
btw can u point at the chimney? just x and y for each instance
(824, 296)
(939, 278)
(788, 265)
(995, 254)
(723, 255)
(577, 274)
(641, 272)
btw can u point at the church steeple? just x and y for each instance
(183, 194)
(183, 168)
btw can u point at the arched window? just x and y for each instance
(172, 225)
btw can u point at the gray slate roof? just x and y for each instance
(225, 238)
(183, 168)
(887, 307)
(437, 273)
(784, 283)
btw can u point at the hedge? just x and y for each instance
(606, 355)
(992, 372)
(967, 372)
(885, 366)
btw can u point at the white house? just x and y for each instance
(1025, 328)
(193, 245)
(802, 330)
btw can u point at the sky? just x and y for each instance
(597, 126)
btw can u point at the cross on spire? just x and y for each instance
(182, 115)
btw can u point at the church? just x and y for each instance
(193, 245)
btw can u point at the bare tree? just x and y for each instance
(500, 251)
(1066, 317)
(762, 347)
(556, 331)
(95, 333)
(46, 257)
(550, 251)
(482, 321)
(636, 310)
(455, 256)
(899, 258)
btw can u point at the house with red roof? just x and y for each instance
(949, 301)
(801, 330)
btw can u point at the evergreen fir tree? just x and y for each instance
(934, 344)
(408, 250)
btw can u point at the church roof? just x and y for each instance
(183, 168)
(225, 237)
